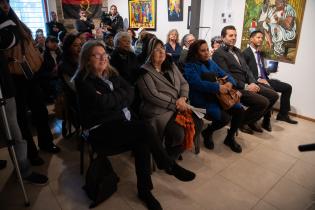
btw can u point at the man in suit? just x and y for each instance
(254, 59)
(257, 97)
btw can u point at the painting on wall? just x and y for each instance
(142, 14)
(280, 21)
(175, 10)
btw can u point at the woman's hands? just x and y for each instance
(181, 104)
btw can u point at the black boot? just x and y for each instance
(230, 142)
(150, 201)
(207, 138)
(180, 173)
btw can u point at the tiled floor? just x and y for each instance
(270, 174)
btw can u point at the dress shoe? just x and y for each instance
(286, 118)
(267, 126)
(51, 148)
(181, 173)
(207, 139)
(150, 201)
(246, 129)
(255, 127)
(36, 161)
(234, 146)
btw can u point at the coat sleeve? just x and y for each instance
(149, 91)
(220, 61)
(195, 82)
(221, 73)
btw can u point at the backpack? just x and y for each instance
(100, 181)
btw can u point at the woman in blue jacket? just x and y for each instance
(201, 73)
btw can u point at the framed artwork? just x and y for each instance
(280, 21)
(175, 10)
(142, 14)
(188, 17)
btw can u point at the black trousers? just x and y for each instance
(234, 115)
(271, 95)
(285, 89)
(29, 97)
(138, 136)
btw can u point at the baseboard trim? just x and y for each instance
(299, 116)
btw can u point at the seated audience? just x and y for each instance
(104, 99)
(216, 42)
(172, 45)
(40, 40)
(47, 75)
(164, 94)
(84, 24)
(146, 37)
(124, 59)
(254, 58)
(53, 28)
(187, 40)
(138, 45)
(109, 43)
(132, 35)
(203, 92)
(257, 97)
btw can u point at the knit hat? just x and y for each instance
(152, 44)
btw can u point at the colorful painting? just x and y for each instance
(280, 21)
(142, 14)
(175, 10)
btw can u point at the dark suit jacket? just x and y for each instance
(251, 62)
(228, 63)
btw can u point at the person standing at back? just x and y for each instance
(53, 28)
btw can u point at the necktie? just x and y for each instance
(261, 66)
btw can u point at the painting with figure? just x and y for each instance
(142, 14)
(280, 21)
(175, 10)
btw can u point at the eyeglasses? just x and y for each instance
(99, 56)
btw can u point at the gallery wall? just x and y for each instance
(163, 26)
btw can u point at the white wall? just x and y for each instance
(300, 75)
(163, 26)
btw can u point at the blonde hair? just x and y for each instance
(169, 33)
(85, 55)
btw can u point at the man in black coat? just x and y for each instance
(84, 24)
(255, 60)
(257, 97)
(53, 28)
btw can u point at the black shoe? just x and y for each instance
(36, 179)
(266, 125)
(36, 161)
(230, 142)
(3, 164)
(150, 201)
(255, 127)
(51, 149)
(286, 118)
(246, 129)
(207, 139)
(181, 173)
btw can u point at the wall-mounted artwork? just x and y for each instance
(142, 14)
(71, 8)
(175, 10)
(280, 21)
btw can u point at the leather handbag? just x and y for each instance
(228, 99)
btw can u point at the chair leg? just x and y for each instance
(197, 144)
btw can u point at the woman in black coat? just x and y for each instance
(104, 99)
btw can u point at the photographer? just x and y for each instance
(113, 21)
(9, 37)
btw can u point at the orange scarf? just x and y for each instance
(185, 120)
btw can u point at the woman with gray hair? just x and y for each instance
(124, 59)
(164, 94)
(172, 45)
(104, 100)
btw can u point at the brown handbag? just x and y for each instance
(229, 99)
(24, 59)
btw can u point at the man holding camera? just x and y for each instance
(255, 60)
